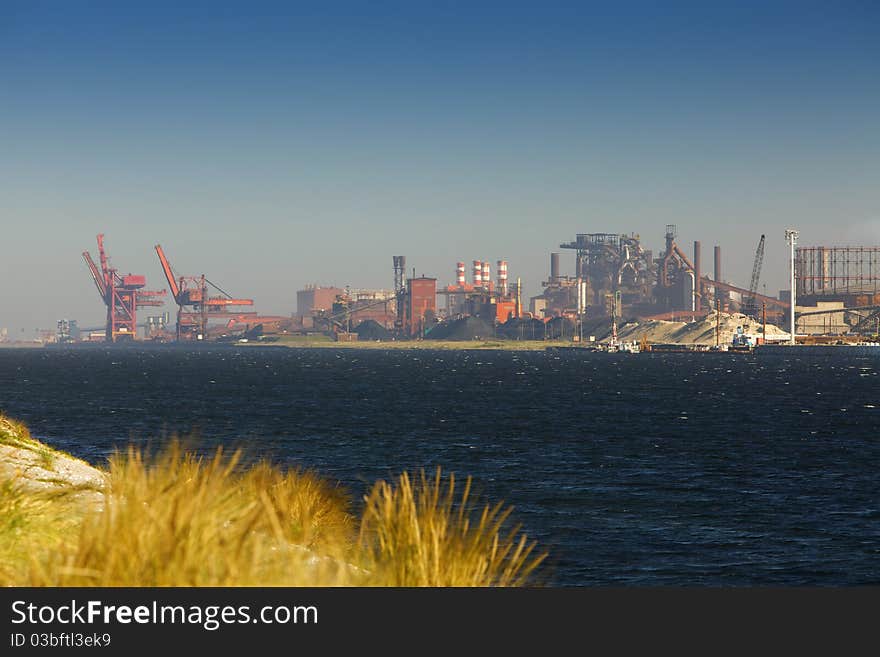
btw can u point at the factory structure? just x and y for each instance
(614, 277)
(198, 312)
(494, 301)
(837, 290)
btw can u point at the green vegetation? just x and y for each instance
(179, 519)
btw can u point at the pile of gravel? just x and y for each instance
(370, 330)
(524, 328)
(466, 328)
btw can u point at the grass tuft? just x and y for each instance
(179, 519)
(426, 533)
(185, 520)
(33, 525)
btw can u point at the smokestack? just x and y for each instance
(554, 267)
(502, 277)
(460, 274)
(518, 306)
(718, 264)
(487, 274)
(698, 272)
(478, 273)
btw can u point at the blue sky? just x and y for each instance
(272, 145)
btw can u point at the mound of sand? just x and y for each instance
(700, 332)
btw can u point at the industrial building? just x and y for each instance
(314, 299)
(419, 306)
(838, 289)
(409, 310)
(196, 308)
(615, 275)
(493, 301)
(350, 308)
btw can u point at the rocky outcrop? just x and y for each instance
(35, 466)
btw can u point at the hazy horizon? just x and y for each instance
(282, 145)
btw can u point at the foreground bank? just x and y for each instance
(178, 519)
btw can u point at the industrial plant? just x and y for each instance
(615, 280)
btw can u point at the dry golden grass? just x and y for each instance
(179, 519)
(424, 534)
(33, 525)
(185, 520)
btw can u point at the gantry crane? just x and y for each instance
(750, 305)
(122, 294)
(192, 292)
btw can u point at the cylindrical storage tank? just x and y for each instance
(460, 274)
(554, 267)
(487, 274)
(718, 264)
(478, 273)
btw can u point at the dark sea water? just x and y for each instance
(650, 469)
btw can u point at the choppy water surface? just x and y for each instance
(643, 469)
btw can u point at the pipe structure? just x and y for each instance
(791, 236)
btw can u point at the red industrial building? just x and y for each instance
(484, 298)
(420, 305)
(314, 299)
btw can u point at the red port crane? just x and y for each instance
(192, 292)
(122, 294)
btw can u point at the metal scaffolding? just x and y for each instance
(824, 270)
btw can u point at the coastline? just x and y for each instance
(181, 519)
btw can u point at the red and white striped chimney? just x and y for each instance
(487, 274)
(478, 273)
(502, 277)
(459, 274)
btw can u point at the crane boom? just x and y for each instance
(105, 266)
(169, 275)
(96, 275)
(750, 307)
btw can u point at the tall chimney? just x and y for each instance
(518, 306)
(487, 274)
(478, 273)
(718, 264)
(698, 272)
(460, 274)
(502, 277)
(554, 267)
